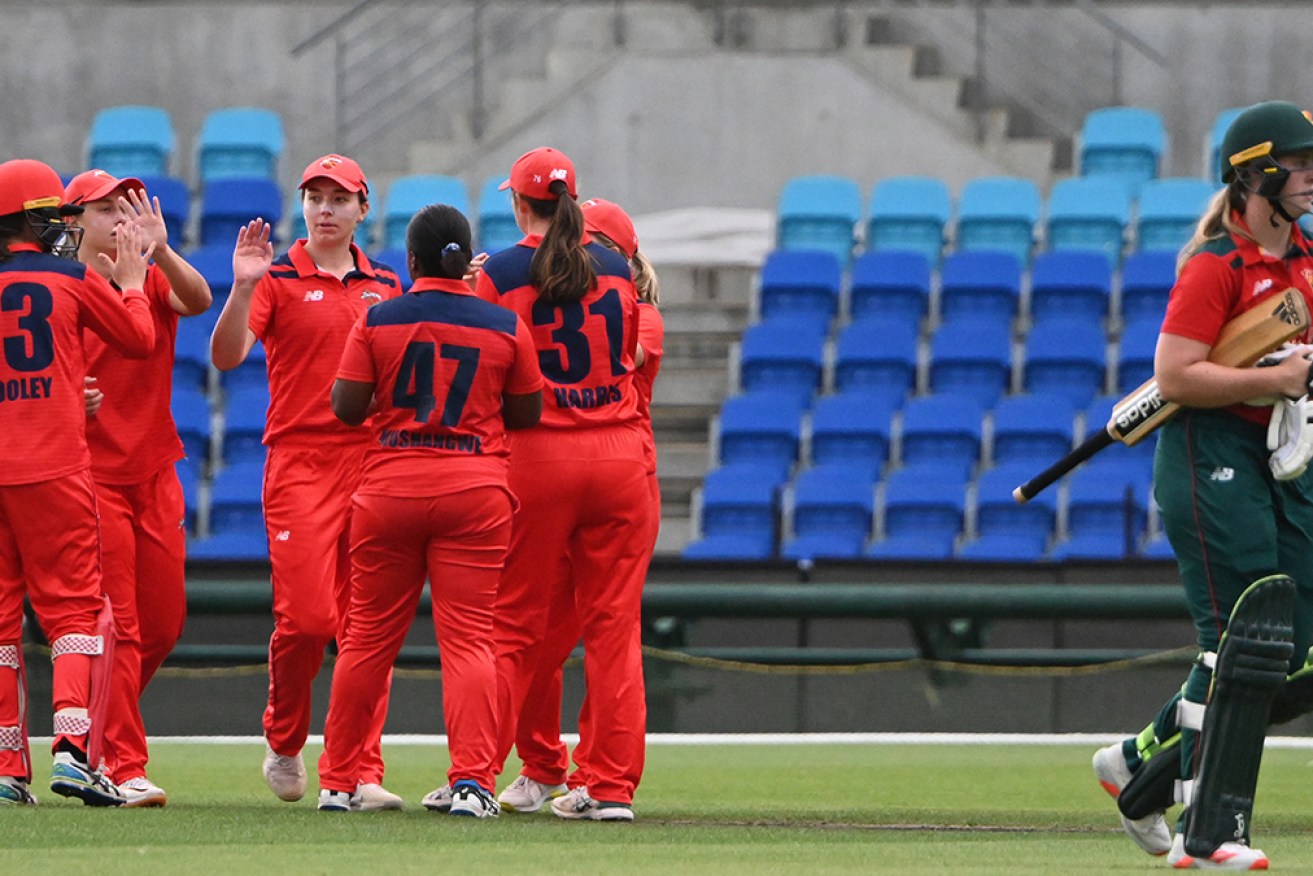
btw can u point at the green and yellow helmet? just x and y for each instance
(1264, 131)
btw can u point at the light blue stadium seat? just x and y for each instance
(852, 429)
(923, 508)
(409, 194)
(1068, 357)
(1070, 283)
(762, 428)
(819, 212)
(833, 508)
(784, 354)
(877, 356)
(909, 214)
(497, 229)
(972, 357)
(1032, 429)
(980, 284)
(1135, 353)
(1147, 280)
(890, 284)
(1221, 122)
(239, 142)
(1168, 211)
(942, 431)
(131, 141)
(1008, 531)
(228, 203)
(998, 214)
(801, 282)
(243, 424)
(1124, 143)
(1089, 213)
(739, 514)
(175, 204)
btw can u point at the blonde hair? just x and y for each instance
(1215, 223)
(646, 283)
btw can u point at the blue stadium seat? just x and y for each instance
(1135, 353)
(972, 357)
(1089, 213)
(1124, 143)
(131, 141)
(175, 204)
(877, 356)
(497, 229)
(1157, 547)
(909, 214)
(1105, 518)
(998, 214)
(739, 514)
(1168, 211)
(1147, 280)
(922, 509)
(1068, 357)
(243, 424)
(833, 508)
(980, 284)
(890, 284)
(1134, 462)
(191, 414)
(819, 213)
(235, 501)
(1032, 429)
(942, 431)
(1221, 122)
(215, 263)
(228, 203)
(191, 359)
(253, 372)
(189, 477)
(396, 260)
(409, 194)
(785, 354)
(1070, 283)
(1008, 531)
(763, 428)
(801, 283)
(852, 429)
(243, 142)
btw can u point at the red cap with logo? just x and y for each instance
(28, 184)
(92, 185)
(607, 219)
(339, 169)
(535, 170)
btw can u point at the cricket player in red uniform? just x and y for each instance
(134, 445)
(49, 535)
(302, 307)
(580, 476)
(451, 373)
(544, 756)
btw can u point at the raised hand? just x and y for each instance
(147, 216)
(128, 267)
(253, 253)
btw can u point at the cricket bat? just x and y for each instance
(1242, 342)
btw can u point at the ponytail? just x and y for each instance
(1215, 223)
(561, 269)
(438, 238)
(646, 283)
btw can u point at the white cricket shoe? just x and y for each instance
(336, 801)
(284, 774)
(71, 778)
(470, 800)
(1150, 832)
(578, 805)
(439, 799)
(525, 795)
(1229, 856)
(141, 792)
(15, 792)
(372, 797)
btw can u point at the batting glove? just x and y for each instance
(1290, 438)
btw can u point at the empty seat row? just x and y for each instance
(140, 141)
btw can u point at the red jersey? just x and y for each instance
(1226, 278)
(133, 436)
(652, 337)
(45, 302)
(440, 360)
(302, 316)
(585, 348)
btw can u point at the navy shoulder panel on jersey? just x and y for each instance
(509, 268)
(447, 308)
(45, 263)
(607, 261)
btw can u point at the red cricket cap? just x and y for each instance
(535, 170)
(339, 169)
(92, 185)
(28, 184)
(609, 220)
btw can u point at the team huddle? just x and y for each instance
(487, 431)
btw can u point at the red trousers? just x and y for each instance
(538, 731)
(307, 510)
(459, 541)
(581, 534)
(50, 551)
(143, 551)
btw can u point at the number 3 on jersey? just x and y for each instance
(417, 375)
(577, 362)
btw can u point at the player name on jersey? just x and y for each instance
(402, 438)
(587, 397)
(20, 388)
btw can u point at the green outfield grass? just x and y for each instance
(723, 809)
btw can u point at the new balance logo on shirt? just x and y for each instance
(1222, 473)
(314, 295)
